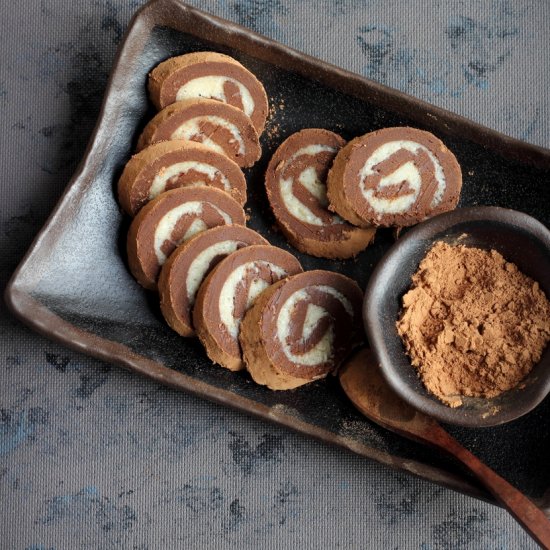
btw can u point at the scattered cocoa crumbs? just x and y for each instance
(472, 323)
(273, 132)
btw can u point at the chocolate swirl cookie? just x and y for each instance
(211, 75)
(300, 329)
(221, 127)
(185, 270)
(394, 177)
(228, 292)
(296, 188)
(177, 163)
(172, 218)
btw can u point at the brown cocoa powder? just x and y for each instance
(472, 323)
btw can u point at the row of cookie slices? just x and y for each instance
(328, 197)
(193, 223)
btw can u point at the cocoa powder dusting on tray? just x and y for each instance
(472, 323)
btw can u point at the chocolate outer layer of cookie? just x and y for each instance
(394, 177)
(301, 329)
(211, 75)
(227, 293)
(219, 126)
(295, 182)
(177, 163)
(186, 268)
(172, 218)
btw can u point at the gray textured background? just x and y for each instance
(92, 456)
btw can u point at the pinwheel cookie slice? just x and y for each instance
(172, 218)
(228, 292)
(394, 177)
(221, 127)
(211, 75)
(177, 163)
(188, 266)
(301, 329)
(295, 182)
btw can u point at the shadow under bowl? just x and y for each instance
(520, 239)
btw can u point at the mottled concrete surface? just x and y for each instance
(95, 457)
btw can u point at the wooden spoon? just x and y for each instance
(364, 385)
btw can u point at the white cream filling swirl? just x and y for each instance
(167, 223)
(407, 172)
(212, 86)
(323, 350)
(227, 295)
(310, 180)
(208, 171)
(191, 128)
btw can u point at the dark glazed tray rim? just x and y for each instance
(177, 15)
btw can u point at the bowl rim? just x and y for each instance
(377, 336)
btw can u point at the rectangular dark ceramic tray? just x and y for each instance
(74, 286)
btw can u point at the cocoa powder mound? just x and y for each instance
(472, 323)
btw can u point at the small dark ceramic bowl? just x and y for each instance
(520, 239)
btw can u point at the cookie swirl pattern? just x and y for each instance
(185, 270)
(172, 218)
(177, 163)
(296, 188)
(209, 75)
(229, 291)
(394, 177)
(219, 126)
(300, 329)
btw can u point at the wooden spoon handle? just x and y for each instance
(526, 513)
